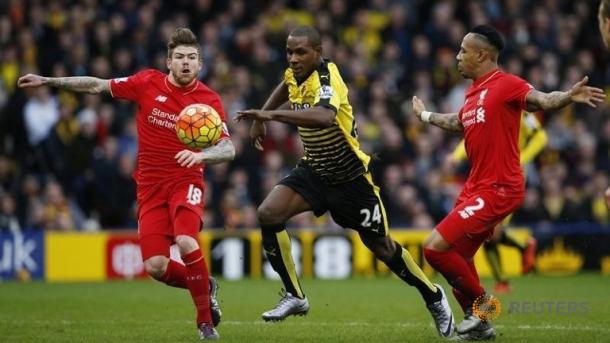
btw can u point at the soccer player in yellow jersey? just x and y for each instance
(332, 176)
(532, 140)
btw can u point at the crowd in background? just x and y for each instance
(66, 159)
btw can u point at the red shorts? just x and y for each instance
(474, 217)
(158, 210)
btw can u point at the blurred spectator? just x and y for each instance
(60, 214)
(8, 213)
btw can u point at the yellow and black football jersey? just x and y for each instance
(333, 152)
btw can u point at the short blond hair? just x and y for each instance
(182, 36)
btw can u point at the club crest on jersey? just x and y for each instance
(482, 97)
(480, 115)
(326, 92)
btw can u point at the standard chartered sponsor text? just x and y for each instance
(164, 119)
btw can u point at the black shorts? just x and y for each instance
(355, 204)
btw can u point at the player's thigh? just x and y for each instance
(357, 205)
(155, 232)
(298, 192)
(281, 204)
(186, 208)
(473, 220)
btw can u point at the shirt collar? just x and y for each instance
(486, 77)
(183, 90)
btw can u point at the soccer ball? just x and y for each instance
(198, 126)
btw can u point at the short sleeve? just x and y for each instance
(129, 87)
(331, 88)
(516, 89)
(216, 103)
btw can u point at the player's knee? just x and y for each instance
(383, 248)
(436, 242)
(384, 254)
(268, 215)
(186, 244)
(156, 266)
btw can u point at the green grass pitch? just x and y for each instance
(356, 310)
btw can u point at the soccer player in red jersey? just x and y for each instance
(495, 187)
(169, 176)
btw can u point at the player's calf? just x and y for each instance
(155, 266)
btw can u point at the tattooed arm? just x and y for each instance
(82, 84)
(447, 121)
(223, 151)
(580, 93)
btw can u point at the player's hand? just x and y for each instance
(31, 80)
(582, 93)
(253, 114)
(418, 106)
(258, 131)
(187, 158)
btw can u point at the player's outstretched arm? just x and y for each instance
(315, 117)
(580, 93)
(447, 121)
(222, 151)
(82, 84)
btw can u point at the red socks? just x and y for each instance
(463, 300)
(197, 281)
(459, 272)
(175, 275)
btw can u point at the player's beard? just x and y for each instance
(184, 79)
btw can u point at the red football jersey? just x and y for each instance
(159, 104)
(491, 116)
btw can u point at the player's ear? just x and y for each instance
(168, 62)
(482, 55)
(479, 55)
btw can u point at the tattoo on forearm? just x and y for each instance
(221, 152)
(447, 121)
(86, 84)
(547, 101)
(556, 100)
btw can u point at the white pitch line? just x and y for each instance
(297, 322)
(410, 324)
(560, 328)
